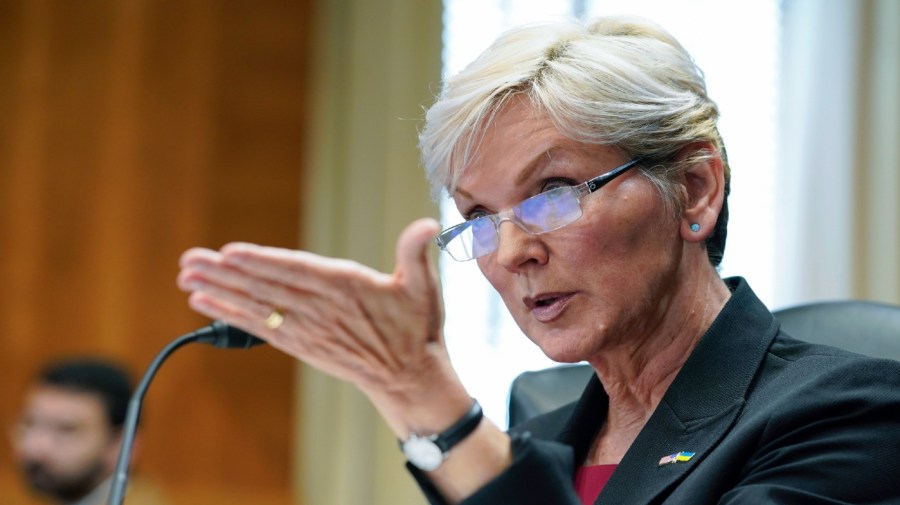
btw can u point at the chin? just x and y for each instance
(565, 358)
(558, 350)
(561, 344)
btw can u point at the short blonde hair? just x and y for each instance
(621, 81)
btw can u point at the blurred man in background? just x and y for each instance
(68, 438)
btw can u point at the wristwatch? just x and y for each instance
(428, 452)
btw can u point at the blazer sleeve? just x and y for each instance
(541, 473)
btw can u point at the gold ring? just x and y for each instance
(275, 319)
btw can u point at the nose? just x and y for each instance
(34, 443)
(517, 247)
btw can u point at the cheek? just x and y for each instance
(505, 284)
(85, 453)
(629, 228)
(497, 276)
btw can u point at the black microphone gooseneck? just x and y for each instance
(218, 334)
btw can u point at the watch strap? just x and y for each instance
(461, 429)
(455, 433)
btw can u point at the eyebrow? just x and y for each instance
(522, 176)
(532, 166)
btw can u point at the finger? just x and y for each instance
(194, 263)
(323, 343)
(218, 308)
(196, 254)
(235, 315)
(417, 274)
(253, 308)
(201, 273)
(414, 267)
(257, 296)
(220, 292)
(299, 269)
(251, 298)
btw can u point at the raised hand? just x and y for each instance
(381, 332)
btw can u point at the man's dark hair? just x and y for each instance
(108, 380)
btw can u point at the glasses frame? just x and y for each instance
(581, 190)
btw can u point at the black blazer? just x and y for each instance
(769, 419)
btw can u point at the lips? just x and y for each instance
(548, 306)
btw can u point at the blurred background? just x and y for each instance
(131, 130)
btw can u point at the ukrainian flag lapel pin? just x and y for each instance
(676, 458)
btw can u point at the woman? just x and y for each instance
(586, 161)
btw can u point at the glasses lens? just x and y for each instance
(485, 235)
(454, 240)
(539, 214)
(549, 211)
(469, 240)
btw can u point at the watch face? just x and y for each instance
(423, 453)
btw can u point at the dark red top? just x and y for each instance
(589, 481)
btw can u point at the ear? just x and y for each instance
(704, 186)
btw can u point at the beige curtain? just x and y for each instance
(376, 65)
(838, 214)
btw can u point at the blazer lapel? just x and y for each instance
(642, 476)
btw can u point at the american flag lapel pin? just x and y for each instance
(676, 458)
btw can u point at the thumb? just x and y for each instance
(414, 268)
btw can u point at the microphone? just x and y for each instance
(218, 334)
(226, 336)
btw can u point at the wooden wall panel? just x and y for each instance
(129, 131)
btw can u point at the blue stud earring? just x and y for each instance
(695, 227)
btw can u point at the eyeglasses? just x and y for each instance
(542, 213)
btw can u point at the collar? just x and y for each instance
(697, 410)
